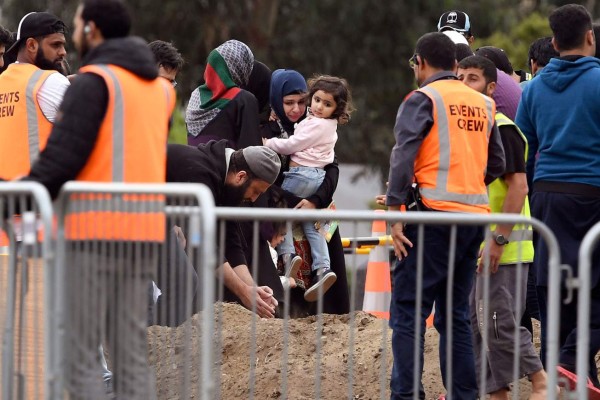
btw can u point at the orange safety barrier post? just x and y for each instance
(378, 285)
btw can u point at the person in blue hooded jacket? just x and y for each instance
(559, 114)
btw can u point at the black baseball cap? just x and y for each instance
(497, 56)
(456, 20)
(37, 24)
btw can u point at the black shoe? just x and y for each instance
(323, 277)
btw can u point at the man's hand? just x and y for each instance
(380, 198)
(306, 205)
(400, 241)
(265, 302)
(495, 253)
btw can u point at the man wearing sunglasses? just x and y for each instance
(446, 142)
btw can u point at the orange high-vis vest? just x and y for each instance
(24, 129)
(131, 147)
(451, 164)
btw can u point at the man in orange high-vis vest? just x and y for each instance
(446, 142)
(31, 91)
(112, 127)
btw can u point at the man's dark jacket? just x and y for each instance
(206, 164)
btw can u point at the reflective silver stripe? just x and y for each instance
(33, 133)
(490, 114)
(442, 195)
(377, 301)
(4, 250)
(443, 138)
(117, 205)
(440, 192)
(521, 235)
(118, 158)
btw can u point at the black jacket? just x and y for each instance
(81, 113)
(206, 164)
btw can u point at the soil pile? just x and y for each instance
(175, 355)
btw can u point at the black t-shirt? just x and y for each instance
(514, 149)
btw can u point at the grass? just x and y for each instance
(178, 132)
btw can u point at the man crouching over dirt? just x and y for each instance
(234, 177)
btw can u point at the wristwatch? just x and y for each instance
(500, 240)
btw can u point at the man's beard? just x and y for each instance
(234, 195)
(43, 63)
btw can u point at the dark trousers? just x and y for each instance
(570, 217)
(435, 279)
(107, 287)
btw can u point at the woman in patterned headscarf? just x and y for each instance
(220, 109)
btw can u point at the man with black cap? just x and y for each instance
(233, 177)
(31, 91)
(457, 21)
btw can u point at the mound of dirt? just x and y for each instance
(175, 355)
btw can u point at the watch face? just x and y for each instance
(500, 240)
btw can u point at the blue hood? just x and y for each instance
(559, 74)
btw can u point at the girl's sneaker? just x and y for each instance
(291, 264)
(323, 277)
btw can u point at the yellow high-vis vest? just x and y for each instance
(520, 246)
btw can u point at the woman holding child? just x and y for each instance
(289, 100)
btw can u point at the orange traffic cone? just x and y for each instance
(378, 285)
(3, 243)
(429, 321)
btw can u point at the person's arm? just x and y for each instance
(74, 134)
(516, 182)
(235, 245)
(307, 134)
(496, 159)
(413, 122)
(51, 95)
(239, 281)
(525, 123)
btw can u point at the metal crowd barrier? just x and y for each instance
(122, 267)
(588, 245)
(107, 249)
(27, 297)
(253, 384)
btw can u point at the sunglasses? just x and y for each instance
(413, 61)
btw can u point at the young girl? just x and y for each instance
(310, 149)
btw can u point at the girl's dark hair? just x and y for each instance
(339, 89)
